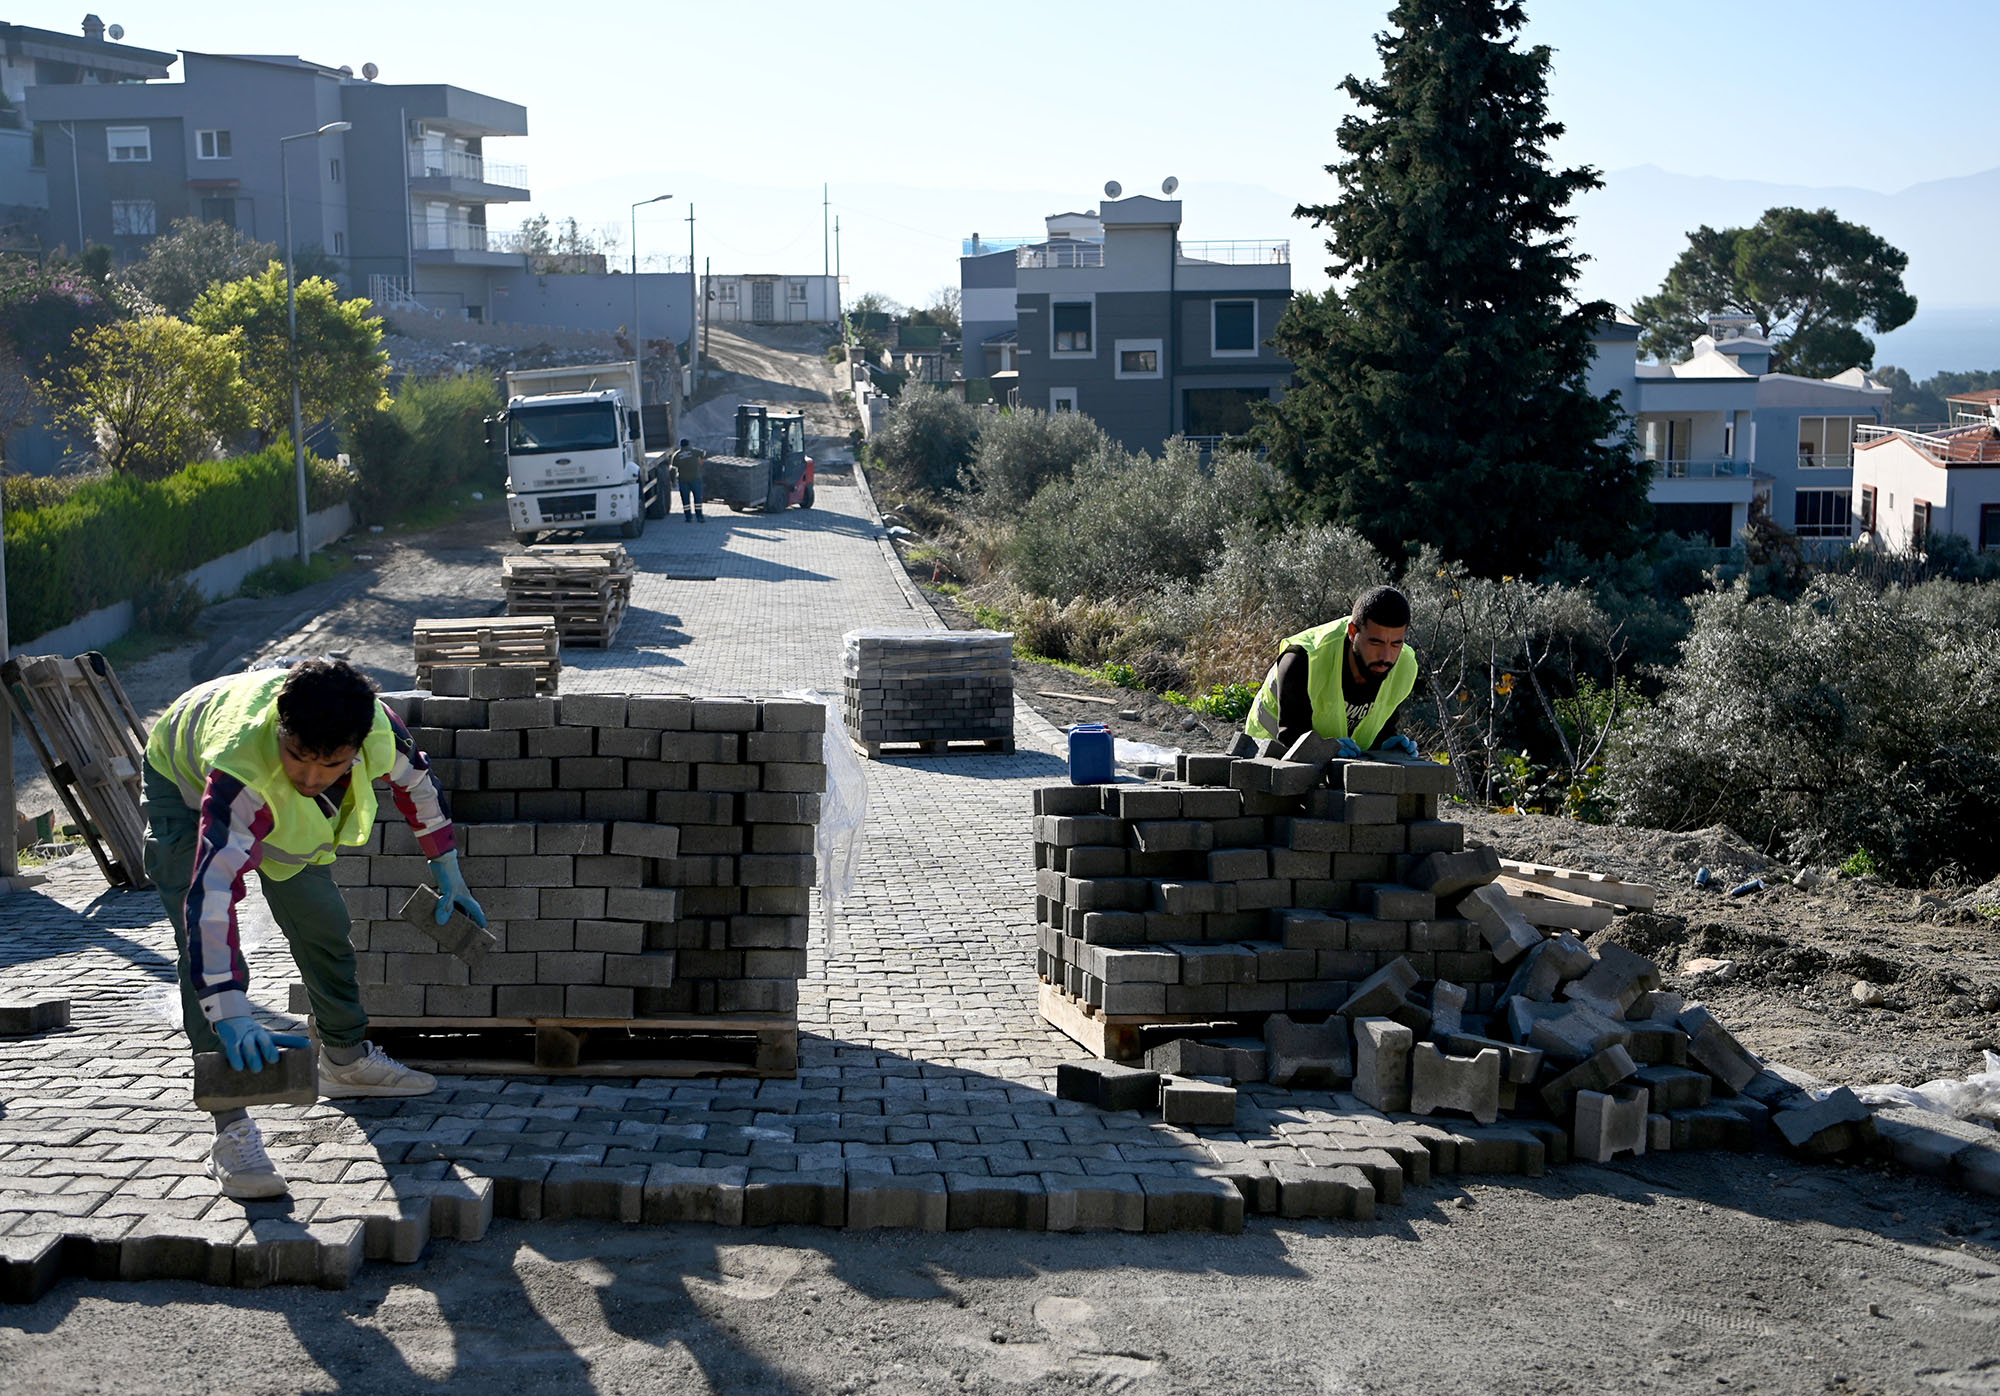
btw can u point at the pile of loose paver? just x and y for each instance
(1327, 906)
(930, 687)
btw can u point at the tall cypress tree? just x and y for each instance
(1439, 392)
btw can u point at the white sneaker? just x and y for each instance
(239, 1163)
(374, 1072)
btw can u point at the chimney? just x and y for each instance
(93, 29)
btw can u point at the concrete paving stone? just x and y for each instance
(1611, 1123)
(1343, 1193)
(182, 1248)
(1106, 1203)
(1469, 1084)
(911, 1201)
(1716, 1051)
(806, 1197)
(29, 1265)
(21, 1015)
(293, 1080)
(974, 1200)
(281, 1250)
(574, 1193)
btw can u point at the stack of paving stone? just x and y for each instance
(929, 687)
(636, 857)
(1356, 942)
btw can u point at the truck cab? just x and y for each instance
(575, 448)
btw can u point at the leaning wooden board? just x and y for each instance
(1633, 896)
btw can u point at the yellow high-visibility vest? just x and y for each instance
(231, 724)
(1326, 661)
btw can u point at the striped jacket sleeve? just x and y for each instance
(418, 796)
(229, 844)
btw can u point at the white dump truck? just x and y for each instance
(575, 443)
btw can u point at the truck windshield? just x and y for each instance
(585, 427)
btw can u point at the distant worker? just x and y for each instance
(274, 771)
(687, 463)
(1345, 680)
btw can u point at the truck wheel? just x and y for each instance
(776, 499)
(663, 500)
(806, 499)
(525, 537)
(632, 528)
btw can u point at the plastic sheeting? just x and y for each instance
(1976, 1097)
(843, 817)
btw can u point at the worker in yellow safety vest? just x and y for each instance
(1344, 680)
(273, 771)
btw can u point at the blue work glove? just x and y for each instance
(1348, 749)
(1399, 743)
(452, 891)
(252, 1047)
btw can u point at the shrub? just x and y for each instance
(1019, 452)
(928, 439)
(432, 438)
(114, 535)
(1120, 527)
(1853, 718)
(155, 393)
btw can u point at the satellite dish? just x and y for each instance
(347, 70)
(1168, 185)
(370, 71)
(1112, 189)
(117, 32)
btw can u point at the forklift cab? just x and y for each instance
(774, 436)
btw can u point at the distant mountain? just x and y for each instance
(1636, 225)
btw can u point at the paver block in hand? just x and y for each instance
(460, 936)
(220, 1086)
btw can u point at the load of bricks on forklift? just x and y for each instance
(1328, 904)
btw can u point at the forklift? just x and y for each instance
(769, 469)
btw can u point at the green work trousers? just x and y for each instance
(307, 906)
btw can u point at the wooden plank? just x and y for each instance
(1527, 887)
(676, 1048)
(1633, 896)
(1561, 915)
(92, 746)
(1115, 1038)
(1077, 697)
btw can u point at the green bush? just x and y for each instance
(114, 536)
(1852, 718)
(430, 439)
(1019, 452)
(928, 439)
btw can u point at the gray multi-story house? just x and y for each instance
(1112, 315)
(401, 201)
(31, 58)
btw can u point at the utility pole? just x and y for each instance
(694, 306)
(836, 245)
(704, 312)
(826, 238)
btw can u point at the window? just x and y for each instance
(129, 145)
(1867, 508)
(1072, 327)
(218, 210)
(1062, 400)
(795, 292)
(1235, 327)
(339, 243)
(1820, 513)
(1920, 524)
(132, 218)
(210, 145)
(333, 171)
(1989, 528)
(726, 291)
(1138, 358)
(1827, 443)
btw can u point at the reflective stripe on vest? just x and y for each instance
(231, 724)
(1326, 660)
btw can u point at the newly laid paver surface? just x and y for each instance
(925, 1093)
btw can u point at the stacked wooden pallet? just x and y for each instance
(89, 739)
(492, 642)
(585, 587)
(1569, 899)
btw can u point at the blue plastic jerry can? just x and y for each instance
(1090, 754)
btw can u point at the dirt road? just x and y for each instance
(773, 364)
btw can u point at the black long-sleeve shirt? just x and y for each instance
(1295, 712)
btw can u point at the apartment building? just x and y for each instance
(1111, 314)
(1728, 438)
(1914, 484)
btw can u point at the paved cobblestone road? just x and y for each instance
(926, 1079)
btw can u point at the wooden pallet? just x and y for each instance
(585, 591)
(1121, 1037)
(89, 739)
(877, 751)
(525, 642)
(1600, 887)
(717, 1044)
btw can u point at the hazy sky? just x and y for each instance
(932, 121)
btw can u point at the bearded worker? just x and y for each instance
(273, 772)
(1345, 680)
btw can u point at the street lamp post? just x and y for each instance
(292, 322)
(639, 344)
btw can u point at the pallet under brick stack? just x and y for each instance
(645, 865)
(584, 587)
(1299, 923)
(929, 689)
(478, 643)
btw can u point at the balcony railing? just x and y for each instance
(451, 237)
(461, 164)
(1063, 252)
(978, 246)
(1238, 254)
(1947, 444)
(1718, 468)
(1825, 460)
